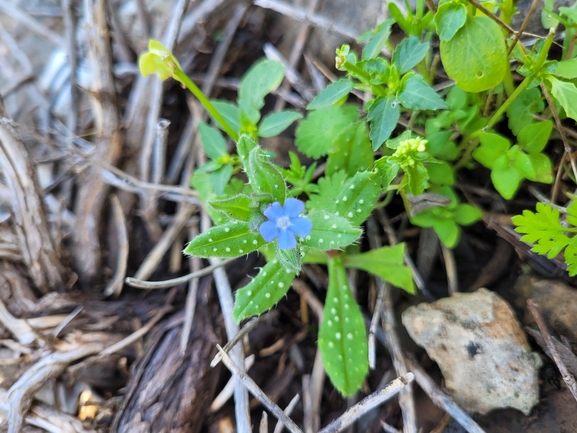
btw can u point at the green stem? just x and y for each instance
(183, 78)
(363, 76)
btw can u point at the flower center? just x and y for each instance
(283, 222)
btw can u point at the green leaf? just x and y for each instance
(506, 181)
(566, 94)
(476, 57)
(229, 111)
(378, 40)
(418, 178)
(316, 134)
(290, 259)
(409, 53)
(387, 263)
(239, 207)
(465, 214)
(492, 147)
(441, 173)
(232, 239)
(351, 151)
(533, 138)
(570, 13)
(329, 188)
(388, 171)
(264, 176)
(275, 123)
(342, 335)
(357, 197)
(542, 167)
(566, 69)
(262, 78)
(263, 292)
(450, 17)
(213, 143)
(521, 110)
(330, 232)
(418, 95)
(448, 231)
(383, 116)
(220, 177)
(332, 94)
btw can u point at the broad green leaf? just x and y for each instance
(566, 94)
(232, 239)
(418, 178)
(450, 17)
(566, 69)
(388, 171)
(418, 95)
(342, 335)
(570, 13)
(264, 176)
(409, 53)
(378, 40)
(542, 168)
(263, 292)
(533, 138)
(244, 146)
(357, 198)
(332, 94)
(476, 57)
(351, 151)
(492, 147)
(465, 214)
(441, 173)
(506, 181)
(387, 263)
(275, 123)
(448, 231)
(521, 110)
(239, 207)
(330, 232)
(383, 116)
(262, 78)
(316, 134)
(219, 178)
(548, 20)
(229, 111)
(213, 143)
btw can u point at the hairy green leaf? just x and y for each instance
(264, 176)
(330, 231)
(351, 151)
(239, 207)
(232, 239)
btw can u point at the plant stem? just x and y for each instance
(358, 73)
(183, 78)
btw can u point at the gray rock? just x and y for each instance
(480, 348)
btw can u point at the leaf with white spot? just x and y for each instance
(342, 336)
(357, 197)
(239, 207)
(387, 263)
(232, 239)
(263, 292)
(330, 232)
(291, 259)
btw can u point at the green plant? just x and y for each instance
(293, 219)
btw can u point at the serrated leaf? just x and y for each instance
(492, 147)
(566, 94)
(450, 17)
(473, 65)
(331, 94)
(342, 335)
(229, 111)
(262, 78)
(316, 134)
(533, 138)
(383, 116)
(275, 123)
(418, 95)
(409, 53)
(264, 176)
(232, 239)
(387, 263)
(330, 232)
(239, 207)
(213, 143)
(521, 110)
(263, 292)
(351, 151)
(329, 188)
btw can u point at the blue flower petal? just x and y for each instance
(274, 211)
(269, 231)
(286, 240)
(301, 226)
(293, 207)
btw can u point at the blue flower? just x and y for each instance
(284, 223)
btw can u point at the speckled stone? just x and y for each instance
(480, 348)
